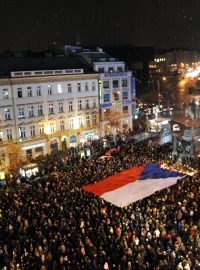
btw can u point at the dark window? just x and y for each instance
(101, 70)
(115, 83)
(105, 84)
(19, 93)
(116, 96)
(124, 82)
(125, 109)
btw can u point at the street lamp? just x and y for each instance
(159, 95)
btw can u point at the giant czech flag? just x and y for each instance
(133, 184)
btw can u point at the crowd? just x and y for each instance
(53, 224)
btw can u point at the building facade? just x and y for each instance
(115, 92)
(44, 110)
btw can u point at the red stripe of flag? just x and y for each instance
(115, 181)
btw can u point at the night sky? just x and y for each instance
(34, 24)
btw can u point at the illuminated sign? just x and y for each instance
(33, 146)
(72, 139)
(100, 91)
(105, 105)
(126, 102)
(133, 87)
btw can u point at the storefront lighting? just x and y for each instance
(47, 129)
(76, 123)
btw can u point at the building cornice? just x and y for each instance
(40, 79)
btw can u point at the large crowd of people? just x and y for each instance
(53, 224)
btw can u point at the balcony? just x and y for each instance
(115, 74)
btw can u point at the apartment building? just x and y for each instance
(115, 91)
(46, 104)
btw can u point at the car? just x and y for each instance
(176, 127)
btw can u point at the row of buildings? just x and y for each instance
(58, 102)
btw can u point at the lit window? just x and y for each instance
(71, 123)
(7, 114)
(106, 97)
(107, 113)
(80, 120)
(59, 88)
(41, 129)
(5, 93)
(52, 127)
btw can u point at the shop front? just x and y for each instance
(73, 141)
(88, 136)
(64, 142)
(34, 150)
(53, 143)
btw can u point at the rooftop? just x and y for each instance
(8, 65)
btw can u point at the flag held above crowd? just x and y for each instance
(134, 184)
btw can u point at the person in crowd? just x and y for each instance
(54, 225)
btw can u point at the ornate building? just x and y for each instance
(46, 109)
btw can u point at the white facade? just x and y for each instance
(43, 110)
(115, 96)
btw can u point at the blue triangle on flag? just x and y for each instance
(154, 171)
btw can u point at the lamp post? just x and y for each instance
(158, 85)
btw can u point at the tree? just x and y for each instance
(113, 123)
(16, 156)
